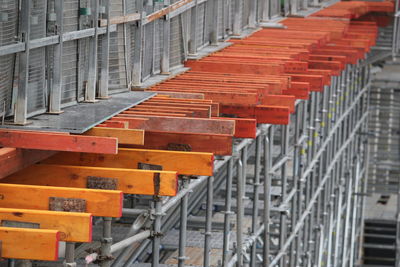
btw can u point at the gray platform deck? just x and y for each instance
(80, 118)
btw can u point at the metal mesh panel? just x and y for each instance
(117, 67)
(159, 37)
(275, 8)
(69, 73)
(70, 61)
(132, 30)
(8, 29)
(200, 24)
(130, 6)
(208, 21)
(220, 18)
(245, 12)
(116, 7)
(148, 50)
(176, 49)
(232, 13)
(117, 75)
(36, 69)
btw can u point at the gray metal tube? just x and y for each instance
(228, 213)
(239, 214)
(106, 242)
(183, 226)
(208, 226)
(256, 199)
(156, 234)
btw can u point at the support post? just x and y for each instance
(239, 213)
(208, 226)
(256, 199)
(268, 143)
(165, 57)
(105, 49)
(106, 243)
(183, 226)
(56, 87)
(227, 214)
(21, 105)
(156, 233)
(138, 48)
(70, 255)
(90, 94)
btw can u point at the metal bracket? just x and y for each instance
(104, 183)
(149, 167)
(179, 147)
(67, 204)
(17, 224)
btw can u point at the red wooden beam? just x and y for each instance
(58, 142)
(219, 144)
(15, 159)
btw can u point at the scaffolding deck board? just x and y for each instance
(72, 121)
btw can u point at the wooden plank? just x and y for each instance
(244, 128)
(58, 142)
(105, 203)
(185, 125)
(272, 114)
(180, 95)
(125, 136)
(73, 226)
(186, 163)
(33, 244)
(129, 181)
(260, 69)
(219, 144)
(114, 124)
(15, 159)
(280, 100)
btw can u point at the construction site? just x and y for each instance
(207, 133)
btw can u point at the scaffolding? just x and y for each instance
(292, 196)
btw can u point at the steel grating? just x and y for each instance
(8, 31)
(72, 121)
(36, 77)
(159, 43)
(148, 50)
(117, 64)
(200, 31)
(176, 49)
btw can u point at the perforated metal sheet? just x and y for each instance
(159, 43)
(200, 25)
(245, 13)
(8, 30)
(80, 118)
(69, 91)
(36, 70)
(275, 8)
(220, 18)
(117, 64)
(176, 49)
(148, 50)
(118, 79)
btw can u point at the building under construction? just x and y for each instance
(199, 133)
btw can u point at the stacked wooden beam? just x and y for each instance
(197, 114)
(355, 9)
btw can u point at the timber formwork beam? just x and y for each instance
(303, 80)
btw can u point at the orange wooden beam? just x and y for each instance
(58, 142)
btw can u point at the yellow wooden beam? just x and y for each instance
(73, 226)
(186, 163)
(34, 244)
(125, 136)
(130, 181)
(105, 203)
